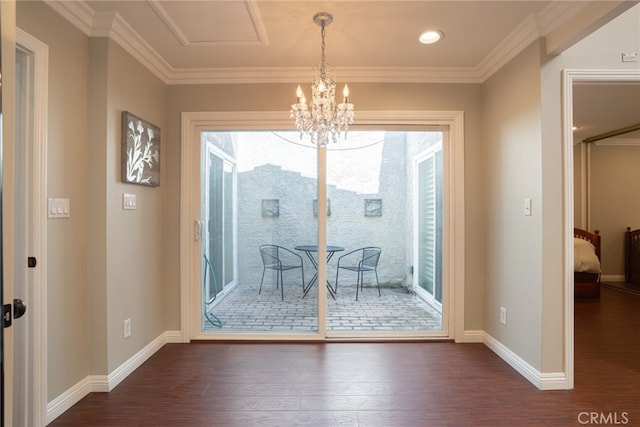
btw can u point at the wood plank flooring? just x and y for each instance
(377, 384)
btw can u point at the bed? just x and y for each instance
(586, 260)
(632, 256)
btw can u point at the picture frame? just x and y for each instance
(270, 207)
(140, 151)
(372, 207)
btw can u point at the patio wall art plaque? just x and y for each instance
(140, 151)
(270, 207)
(372, 207)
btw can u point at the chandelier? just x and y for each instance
(322, 120)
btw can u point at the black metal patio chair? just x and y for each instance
(280, 259)
(360, 261)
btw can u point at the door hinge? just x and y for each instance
(32, 262)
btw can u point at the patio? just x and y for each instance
(243, 310)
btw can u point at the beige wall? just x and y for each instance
(614, 199)
(369, 97)
(511, 172)
(135, 238)
(600, 50)
(104, 264)
(68, 357)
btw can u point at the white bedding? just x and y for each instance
(584, 257)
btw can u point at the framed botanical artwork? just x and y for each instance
(140, 151)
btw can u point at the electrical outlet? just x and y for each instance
(127, 328)
(503, 315)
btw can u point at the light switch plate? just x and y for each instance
(59, 208)
(128, 201)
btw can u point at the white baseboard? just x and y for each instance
(470, 336)
(106, 383)
(544, 381)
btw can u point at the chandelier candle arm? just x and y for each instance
(322, 120)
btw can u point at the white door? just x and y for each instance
(28, 224)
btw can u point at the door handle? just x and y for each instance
(197, 230)
(19, 308)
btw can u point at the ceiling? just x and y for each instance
(249, 41)
(256, 41)
(605, 107)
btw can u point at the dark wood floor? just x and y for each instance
(377, 384)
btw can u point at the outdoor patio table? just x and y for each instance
(309, 250)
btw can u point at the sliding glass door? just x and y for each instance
(218, 221)
(261, 214)
(428, 224)
(258, 191)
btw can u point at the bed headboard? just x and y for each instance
(594, 238)
(632, 255)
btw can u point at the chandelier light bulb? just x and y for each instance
(345, 93)
(300, 95)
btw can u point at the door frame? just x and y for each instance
(569, 77)
(37, 303)
(193, 122)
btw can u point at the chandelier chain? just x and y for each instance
(322, 56)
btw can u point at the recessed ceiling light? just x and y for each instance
(429, 37)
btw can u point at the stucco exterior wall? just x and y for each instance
(382, 170)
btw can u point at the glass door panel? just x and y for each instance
(371, 191)
(429, 221)
(260, 201)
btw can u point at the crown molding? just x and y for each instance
(524, 34)
(76, 12)
(112, 25)
(348, 74)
